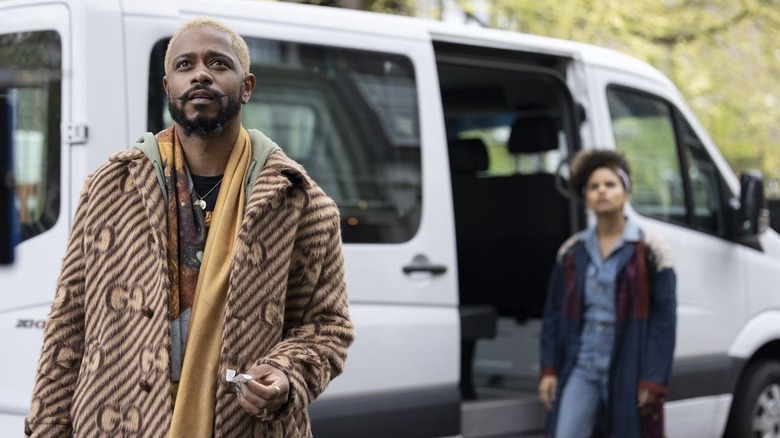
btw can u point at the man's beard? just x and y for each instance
(203, 125)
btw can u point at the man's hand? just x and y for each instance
(266, 393)
(547, 388)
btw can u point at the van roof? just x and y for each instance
(362, 22)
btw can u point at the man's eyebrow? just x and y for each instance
(209, 54)
(218, 54)
(184, 55)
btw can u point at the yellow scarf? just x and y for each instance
(193, 413)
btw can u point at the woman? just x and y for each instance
(609, 322)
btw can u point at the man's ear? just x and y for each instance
(165, 84)
(247, 87)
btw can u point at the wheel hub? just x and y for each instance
(766, 414)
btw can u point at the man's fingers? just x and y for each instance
(275, 382)
(267, 392)
(248, 406)
(256, 397)
(262, 372)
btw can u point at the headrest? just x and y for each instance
(533, 134)
(468, 155)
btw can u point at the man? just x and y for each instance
(203, 249)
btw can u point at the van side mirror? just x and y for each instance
(7, 211)
(753, 216)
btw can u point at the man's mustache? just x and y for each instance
(185, 96)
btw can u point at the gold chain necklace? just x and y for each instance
(201, 202)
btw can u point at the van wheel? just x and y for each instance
(755, 411)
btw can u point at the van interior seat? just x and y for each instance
(478, 319)
(468, 159)
(536, 221)
(508, 228)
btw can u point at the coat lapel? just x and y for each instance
(143, 180)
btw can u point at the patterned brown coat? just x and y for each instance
(104, 367)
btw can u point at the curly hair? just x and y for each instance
(239, 45)
(585, 162)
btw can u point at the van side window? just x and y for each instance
(707, 213)
(33, 62)
(350, 117)
(659, 143)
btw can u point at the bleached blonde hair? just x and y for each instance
(239, 45)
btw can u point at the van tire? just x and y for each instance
(761, 379)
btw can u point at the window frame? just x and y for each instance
(50, 192)
(678, 119)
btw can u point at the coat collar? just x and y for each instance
(590, 240)
(631, 233)
(268, 160)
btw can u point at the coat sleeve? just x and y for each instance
(313, 352)
(659, 353)
(63, 341)
(551, 318)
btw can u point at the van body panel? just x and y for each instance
(761, 329)
(684, 418)
(761, 272)
(383, 358)
(706, 305)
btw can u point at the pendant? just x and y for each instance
(202, 204)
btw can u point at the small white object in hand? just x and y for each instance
(232, 377)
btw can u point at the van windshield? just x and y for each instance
(30, 80)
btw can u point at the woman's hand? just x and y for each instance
(547, 388)
(645, 397)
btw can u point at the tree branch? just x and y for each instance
(686, 36)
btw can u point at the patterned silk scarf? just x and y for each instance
(186, 242)
(193, 414)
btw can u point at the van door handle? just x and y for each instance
(420, 263)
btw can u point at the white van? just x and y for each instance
(445, 148)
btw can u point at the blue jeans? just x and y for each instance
(583, 398)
